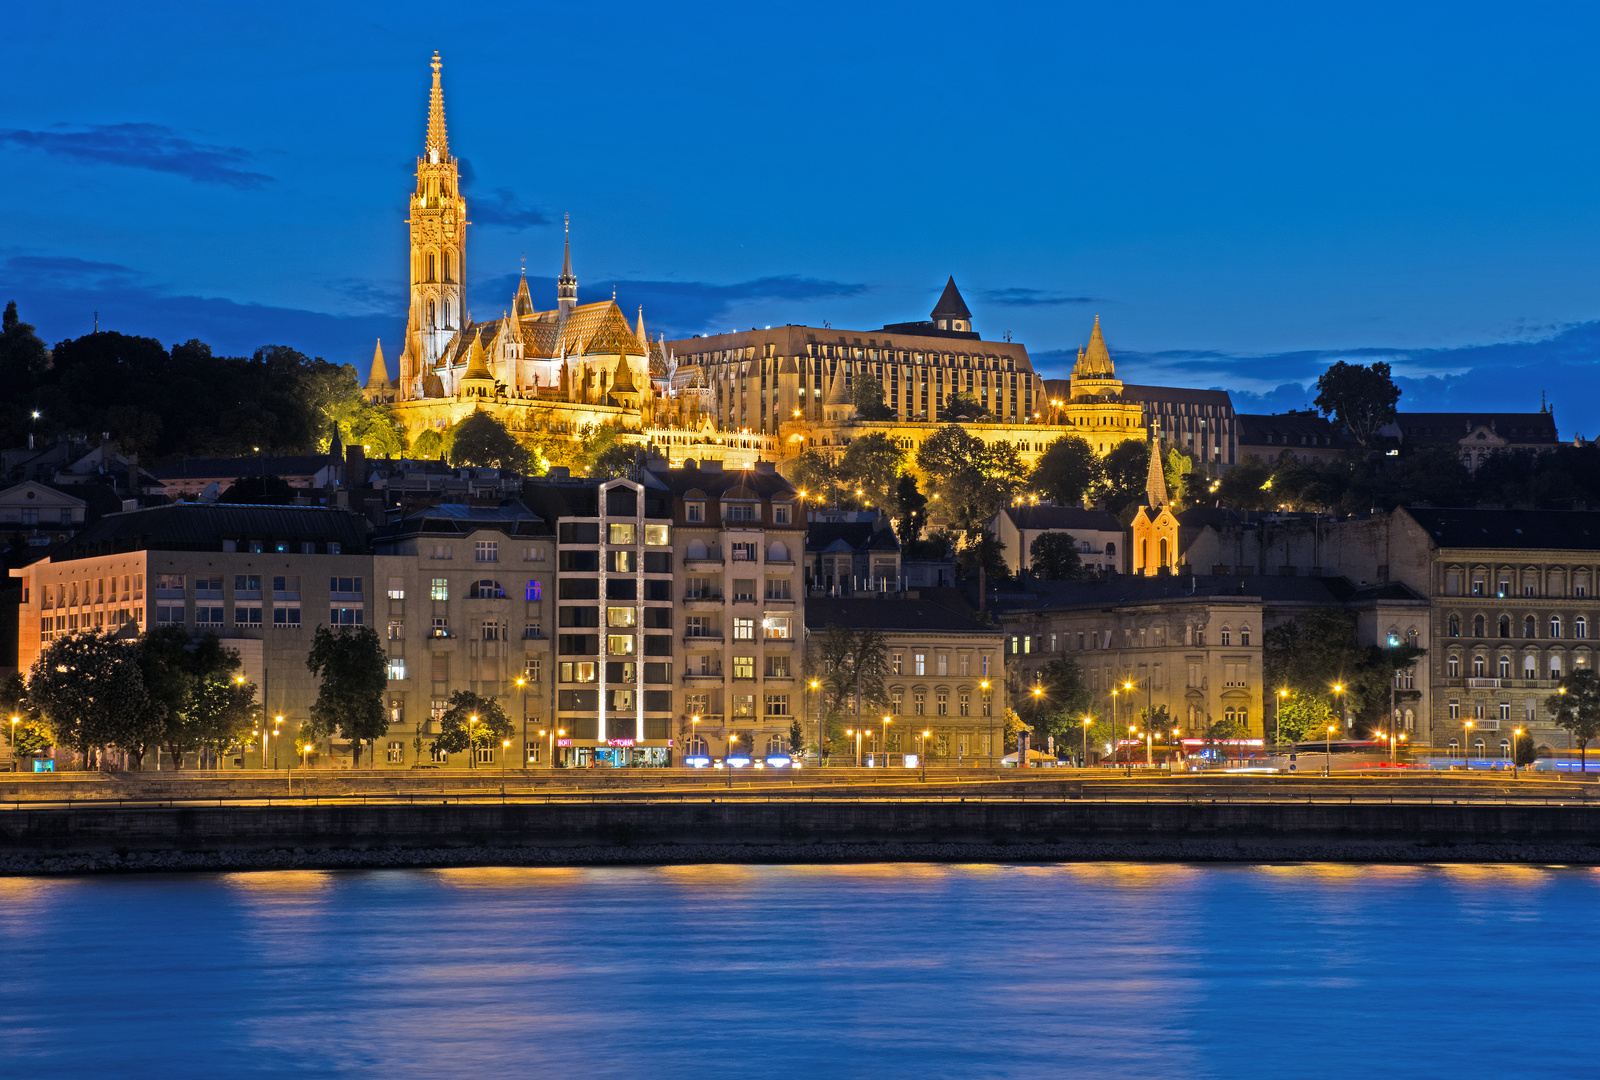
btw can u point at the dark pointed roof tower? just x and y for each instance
(951, 313)
(567, 284)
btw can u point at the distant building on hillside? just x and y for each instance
(1475, 436)
(1306, 436)
(1098, 535)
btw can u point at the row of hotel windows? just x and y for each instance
(488, 629)
(483, 589)
(1530, 626)
(941, 664)
(1530, 583)
(1530, 711)
(744, 589)
(1530, 667)
(95, 591)
(1104, 639)
(486, 551)
(773, 627)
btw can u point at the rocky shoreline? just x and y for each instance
(13, 864)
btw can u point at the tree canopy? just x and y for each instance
(353, 670)
(1067, 470)
(89, 689)
(1576, 707)
(866, 393)
(1311, 655)
(1124, 473)
(1054, 556)
(971, 479)
(482, 440)
(1363, 397)
(471, 720)
(871, 466)
(963, 405)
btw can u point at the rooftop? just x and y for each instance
(205, 526)
(1542, 530)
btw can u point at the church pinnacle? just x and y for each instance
(567, 284)
(438, 145)
(1155, 484)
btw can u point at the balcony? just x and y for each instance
(702, 600)
(692, 678)
(787, 600)
(691, 641)
(1480, 683)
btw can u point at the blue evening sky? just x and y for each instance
(1243, 192)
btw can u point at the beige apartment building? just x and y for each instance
(262, 578)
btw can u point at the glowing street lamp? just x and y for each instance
(885, 744)
(1516, 737)
(1327, 751)
(924, 756)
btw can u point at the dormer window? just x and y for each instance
(694, 511)
(782, 514)
(740, 511)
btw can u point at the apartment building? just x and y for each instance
(262, 578)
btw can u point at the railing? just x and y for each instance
(1478, 682)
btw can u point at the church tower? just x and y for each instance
(567, 283)
(438, 250)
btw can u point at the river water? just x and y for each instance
(880, 971)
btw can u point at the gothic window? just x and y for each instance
(1477, 626)
(433, 266)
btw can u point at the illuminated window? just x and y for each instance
(621, 616)
(744, 667)
(439, 589)
(620, 533)
(744, 629)
(657, 535)
(619, 644)
(531, 592)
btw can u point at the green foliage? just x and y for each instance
(871, 465)
(850, 666)
(1312, 654)
(90, 692)
(964, 406)
(797, 738)
(1526, 752)
(373, 428)
(1576, 707)
(1302, 718)
(984, 549)
(1054, 557)
(195, 691)
(1059, 711)
(28, 735)
(1247, 486)
(817, 476)
(353, 670)
(430, 446)
(472, 720)
(1067, 470)
(970, 479)
(1185, 487)
(1362, 397)
(866, 393)
(1124, 472)
(482, 440)
(910, 510)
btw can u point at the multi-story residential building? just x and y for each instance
(852, 556)
(1306, 436)
(467, 601)
(1194, 646)
(262, 578)
(945, 678)
(736, 543)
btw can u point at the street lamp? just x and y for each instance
(817, 704)
(1344, 705)
(886, 723)
(1087, 720)
(1466, 738)
(727, 765)
(1327, 751)
(505, 746)
(14, 720)
(1516, 737)
(522, 684)
(1277, 719)
(984, 686)
(924, 756)
(471, 764)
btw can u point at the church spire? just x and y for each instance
(1155, 484)
(1097, 358)
(438, 146)
(567, 284)
(644, 338)
(378, 377)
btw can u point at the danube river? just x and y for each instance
(880, 971)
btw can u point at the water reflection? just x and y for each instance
(887, 971)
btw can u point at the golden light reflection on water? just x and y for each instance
(509, 877)
(1131, 875)
(284, 883)
(15, 891)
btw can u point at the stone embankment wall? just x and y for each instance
(749, 830)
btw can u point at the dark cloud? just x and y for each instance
(1017, 296)
(678, 308)
(143, 146)
(502, 207)
(68, 272)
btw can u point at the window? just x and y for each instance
(744, 629)
(697, 626)
(531, 671)
(1505, 710)
(622, 561)
(1454, 626)
(740, 511)
(919, 703)
(1454, 709)
(244, 585)
(743, 704)
(964, 703)
(965, 663)
(397, 629)
(396, 753)
(441, 551)
(919, 663)
(286, 616)
(1555, 666)
(531, 592)
(1477, 667)
(1530, 667)
(206, 615)
(1530, 629)
(745, 552)
(166, 585)
(622, 616)
(287, 587)
(744, 590)
(1227, 635)
(1477, 626)
(1580, 628)
(440, 589)
(486, 589)
(440, 628)
(494, 629)
(397, 667)
(621, 533)
(777, 704)
(397, 588)
(619, 644)
(694, 511)
(744, 667)
(780, 514)
(205, 588)
(533, 553)
(1244, 636)
(1505, 668)
(775, 627)
(247, 615)
(1555, 626)
(582, 671)
(942, 703)
(487, 551)
(657, 535)
(346, 616)
(778, 589)
(165, 615)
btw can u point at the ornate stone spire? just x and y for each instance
(644, 338)
(1097, 358)
(567, 283)
(1155, 484)
(438, 145)
(378, 377)
(523, 304)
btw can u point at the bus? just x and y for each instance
(1340, 755)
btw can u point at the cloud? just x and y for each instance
(67, 272)
(678, 308)
(1016, 296)
(143, 146)
(502, 207)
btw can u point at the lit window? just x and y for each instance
(776, 627)
(621, 616)
(619, 644)
(744, 667)
(531, 592)
(657, 535)
(397, 668)
(622, 534)
(440, 589)
(397, 588)
(919, 664)
(744, 629)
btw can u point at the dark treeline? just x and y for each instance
(162, 403)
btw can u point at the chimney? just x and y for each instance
(355, 465)
(133, 476)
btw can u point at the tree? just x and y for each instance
(850, 665)
(1362, 397)
(353, 670)
(1182, 487)
(1054, 557)
(430, 446)
(90, 691)
(1247, 486)
(910, 509)
(1067, 469)
(797, 738)
(1124, 472)
(1320, 650)
(1526, 752)
(1066, 699)
(1303, 717)
(971, 479)
(1576, 706)
(615, 460)
(870, 467)
(987, 551)
(470, 721)
(482, 440)
(376, 431)
(259, 491)
(28, 734)
(963, 405)
(200, 700)
(817, 476)
(866, 393)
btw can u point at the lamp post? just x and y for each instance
(522, 684)
(694, 733)
(816, 703)
(1344, 705)
(1466, 736)
(886, 723)
(988, 708)
(14, 720)
(1038, 699)
(923, 758)
(1087, 720)
(1516, 737)
(1114, 728)
(505, 747)
(1327, 752)
(727, 765)
(1277, 717)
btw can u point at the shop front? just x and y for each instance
(613, 753)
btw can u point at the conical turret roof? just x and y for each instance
(1155, 484)
(378, 377)
(837, 393)
(477, 361)
(522, 304)
(950, 305)
(437, 141)
(1096, 361)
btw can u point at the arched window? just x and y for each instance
(1505, 626)
(1477, 667)
(777, 744)
(697, 748)
(432, 321)
(1454, 626)
(695, 550)
(1530, 629)
(1477, 626)
(1227, 636)
(449, 265)
(1477, 748)
(1505, 667)
(1580, 628)
(433, 266)
(1555, 626)
(486, 590)
(1555, 665)
(1453, 747)
(531, 592)
(1163, 551)
(1530, 667)
(1111, 550)
(1144, 553)
(1244, 636)
(1452, 667)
